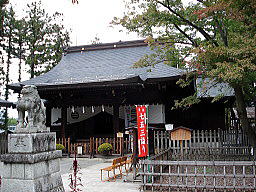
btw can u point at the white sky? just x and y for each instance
(86, 20)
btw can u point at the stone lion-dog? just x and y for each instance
(31, 102)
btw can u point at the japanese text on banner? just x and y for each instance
(142, 130)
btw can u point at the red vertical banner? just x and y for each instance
(142, 130)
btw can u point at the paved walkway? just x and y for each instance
(90, 175)
(91, 181)
(66, 163)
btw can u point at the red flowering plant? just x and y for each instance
(74, 177)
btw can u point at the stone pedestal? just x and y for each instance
(32, 164)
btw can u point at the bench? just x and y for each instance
(117, 163)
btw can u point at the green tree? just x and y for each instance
(215, 39)
(8, 47)
(20, 31)
(45, 39)
(37, 40)
(3, 3)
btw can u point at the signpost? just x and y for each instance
(120, 135)
(180, 134)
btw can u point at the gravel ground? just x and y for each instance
(90, 179)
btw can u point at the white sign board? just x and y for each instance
(169, 127)
(119, 134)
(79, 150)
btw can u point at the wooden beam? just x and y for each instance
(48, 116)
(116, 119)
(63, 121)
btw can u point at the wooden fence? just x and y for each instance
(3, 143)
(90, 146)
(158, 175)
(215, 165)
(201, 139)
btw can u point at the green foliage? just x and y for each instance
(105, 148)
(46, 39)
(60, 147)
(12, 121)
(2, 5)
(8, 47)
(37, 40)
(20, 32)
(213, 39)
(186, 102)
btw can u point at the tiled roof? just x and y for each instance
(209, 88)
(102, 63)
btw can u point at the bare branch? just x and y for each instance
(201, 30)
(194, 43)
(222, 30)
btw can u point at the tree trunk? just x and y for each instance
(242, 114)
(32, 67)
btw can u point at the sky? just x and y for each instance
(86, 20)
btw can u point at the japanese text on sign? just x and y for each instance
(142, 130)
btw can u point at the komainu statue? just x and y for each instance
(36, 116)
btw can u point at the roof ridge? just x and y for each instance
(102, 46)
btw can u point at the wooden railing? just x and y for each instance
(3, 143)
(90, 146)
(198, 175)
(202, 139)
(212, 153)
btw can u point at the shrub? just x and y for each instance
(105, 148)
(60, 147)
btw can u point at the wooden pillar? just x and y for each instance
(135, 149)
(91, 147)
(116, 119)
(48, 116)
(254, 113)
(63, 121)
(121, 146)
(135, 152)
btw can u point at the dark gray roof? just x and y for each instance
(209, 88)
(102, 63)
(4, 103)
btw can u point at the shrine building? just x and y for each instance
(94, 89)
